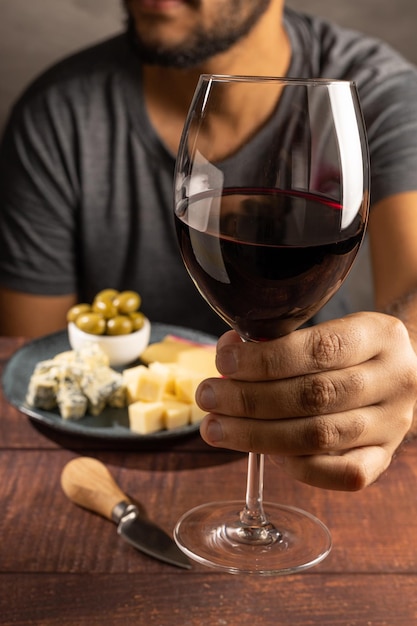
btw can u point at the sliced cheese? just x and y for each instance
(163, 352)
(170, 348)
(201, 360)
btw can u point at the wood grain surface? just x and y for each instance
(63, 565)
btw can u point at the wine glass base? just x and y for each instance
(208, 534)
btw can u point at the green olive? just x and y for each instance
(127, 301)
(138, 319)
(119, 325)
(76, 310)
(105, 306)
(106, 294)
(92, 323)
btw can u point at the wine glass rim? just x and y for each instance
(277, 79)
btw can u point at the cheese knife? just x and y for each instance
(89, 484)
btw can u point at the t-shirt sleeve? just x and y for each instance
(38, 198)
(391, 118)
(387, 85)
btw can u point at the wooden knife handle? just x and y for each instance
(88, 483)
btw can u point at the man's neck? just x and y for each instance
(266, 51)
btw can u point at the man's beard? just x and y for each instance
(203, 44)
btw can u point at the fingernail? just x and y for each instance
(226, 361)
(207, 397)
(214, 431)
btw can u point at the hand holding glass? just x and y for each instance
(271, 205)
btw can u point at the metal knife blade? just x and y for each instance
(88, 483)
(146, 536)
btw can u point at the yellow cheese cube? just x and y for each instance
(151, 385)
(186, 384)
(167, 372)
(175, 369)
(169, 397)
(196, 414)
(143, 384)
(130, 380)
(146, 417)
(176, 414)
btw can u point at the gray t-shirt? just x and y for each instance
(86, 183)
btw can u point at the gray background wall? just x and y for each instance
(35, 33)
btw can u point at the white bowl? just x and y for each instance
(121, 349)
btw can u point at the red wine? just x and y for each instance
(266, 260)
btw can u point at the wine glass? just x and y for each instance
(271, 196)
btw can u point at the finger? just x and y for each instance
(350, 471)
(314, 394)
(230, 337)
(317, 435)
(331, 345)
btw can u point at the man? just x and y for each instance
(86, 166)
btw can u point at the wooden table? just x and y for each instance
(60, 564)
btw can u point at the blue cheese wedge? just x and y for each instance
(118, 398)
(42, 391)
(76, 381)
(99, 385)
(71, 401)
(88, 356)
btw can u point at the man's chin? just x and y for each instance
(168, 58)
(167, 54)
(187, 44)
(162, 7)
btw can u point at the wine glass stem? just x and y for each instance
(253, 527)
(253, 513)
